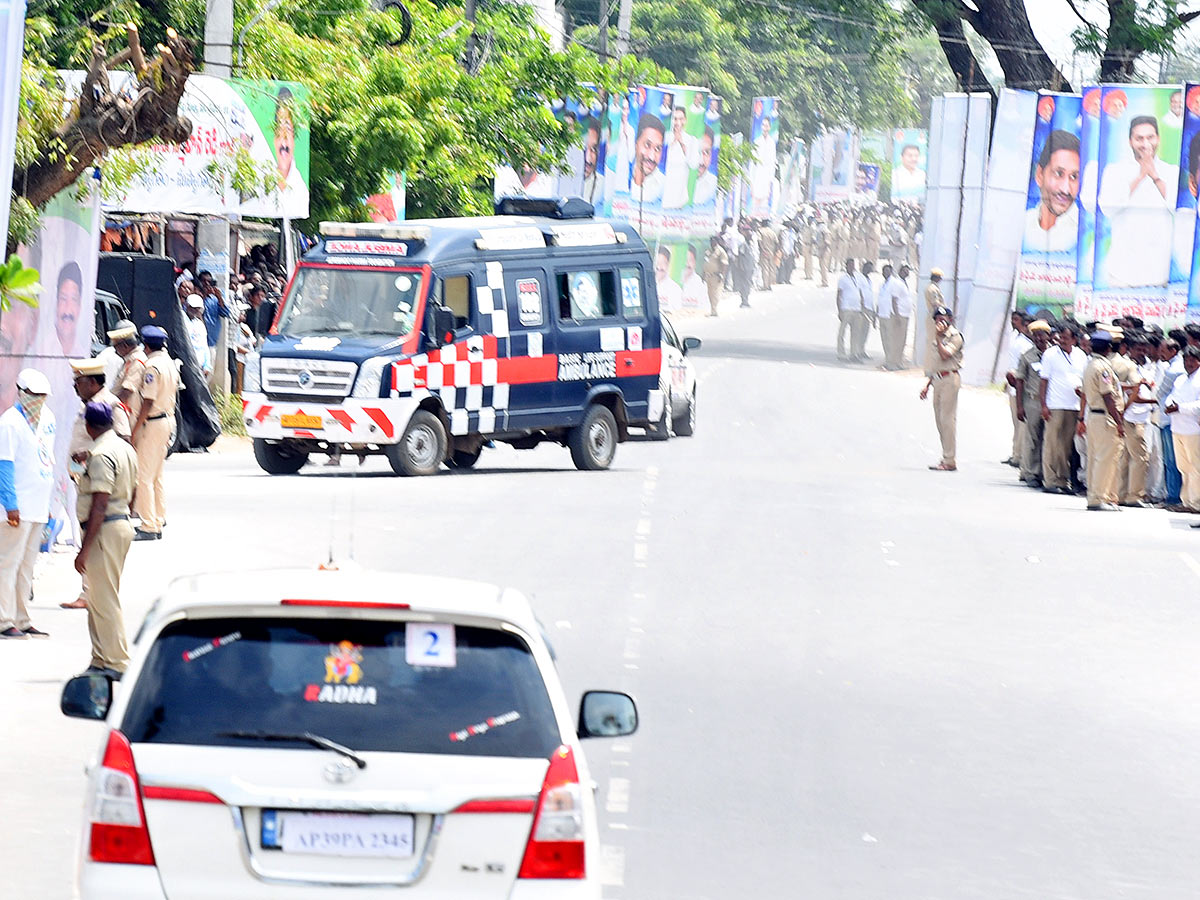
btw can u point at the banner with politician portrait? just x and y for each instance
(638, 200)
(705, 200)
(1136, 200)
(1178, 301)
(910, 159)
(834, 166)
(677, 274)
(1047, 266)
(764, 136)
(1089, 166)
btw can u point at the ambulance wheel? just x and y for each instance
(278, 459)
(463, 459)
(685, 425)
(422, 447)
(593, 442)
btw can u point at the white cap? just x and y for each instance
(195, 301)
(34, 382)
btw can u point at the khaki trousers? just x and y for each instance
(897, 339)
(1134, 464)
(18, 552)
(1018, 445)
(1057, 440)
(847, 324)
(822, 259)
(1031, 452)
(714, 283)
(1187, 460)
(808, 256)
(945, 413)
(862, 327)
(1104, 453)
(151, 500)
(106, 625)
(885, 337)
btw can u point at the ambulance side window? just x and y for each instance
(456, 296)
(586, 295)
(631, 293)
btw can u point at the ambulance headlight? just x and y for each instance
(251, 378)
(370, 375)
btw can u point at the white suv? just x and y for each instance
(294, 734)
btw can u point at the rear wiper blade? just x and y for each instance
(307, 737)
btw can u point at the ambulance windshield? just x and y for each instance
(332, 300)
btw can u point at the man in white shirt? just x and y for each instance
(908, 182)
(646, 185)
(1171, 353)
(1018, 342)
(197, 333)
(26, 484)
(849, 307)
(1062, 372)
(593, 180)
(1183, 406)
(670, 295)
(1138, 196)
(693, 291)
(1174, 118)
(683, 154)
(883, 314)
(866, 299)
(706, 179)
(895, 295)
(1053, 225)
(1135, 463)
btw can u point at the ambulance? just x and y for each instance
(427, 341)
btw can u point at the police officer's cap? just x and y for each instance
(153, 334)
(98, 415)
(943, 311)
(124, 330)
(91, 366)
(1100, 337)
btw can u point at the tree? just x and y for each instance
(1131, 32)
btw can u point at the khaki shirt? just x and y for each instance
(1031, 377)
(159, 384)
(952, 341)
(1126, 371)
(79, 436)
(130, 379)
(1099, 380)
(111, 469)
(933, 298)
(716, 262)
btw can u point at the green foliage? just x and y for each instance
(230, 409)
(18, 283)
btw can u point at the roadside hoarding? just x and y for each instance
(910, 160)
(764, 135)
(1089, 162)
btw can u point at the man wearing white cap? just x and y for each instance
(198, 333)
(933, 293)
(128, 383)
(26, 483)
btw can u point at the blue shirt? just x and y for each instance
(212, 318)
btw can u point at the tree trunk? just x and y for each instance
(958, 52)
(104, 120)
(1121, 44)
(1004, 24)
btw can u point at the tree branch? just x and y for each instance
(1078, 14)
(104, 121)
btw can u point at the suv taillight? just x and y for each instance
(119, 832)
(555, 848)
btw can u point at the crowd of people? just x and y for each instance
(1107, 410)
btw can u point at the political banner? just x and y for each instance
(391, 205)
(267, 119)
(1136, 199)
(705, 212)
(764, 135)
(620, 129)
(1178, 294)
(583, 174)
(66, 251)
(866, 183)
(12, 45)
(910, 159)
(1089, 160)
(834, 166)
(639, 199)
(792, 171)
(677, 268)
(1046, 270)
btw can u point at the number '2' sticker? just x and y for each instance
(429, 645)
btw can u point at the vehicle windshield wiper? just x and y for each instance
(307, 737)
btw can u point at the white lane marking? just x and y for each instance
(621, 747)
(563, 624)
(636, 630)
(643, 527)
(652, 472)
(620, 762)
(612, 865)
(640, 551)
(892, 562)
(618, 796)
(631, 665)
(618, 826)
(1191, 563)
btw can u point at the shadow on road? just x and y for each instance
(779, 351)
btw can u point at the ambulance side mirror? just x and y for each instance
(441, 325)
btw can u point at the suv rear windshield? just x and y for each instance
(344, 679)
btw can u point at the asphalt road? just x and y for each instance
(857, 678)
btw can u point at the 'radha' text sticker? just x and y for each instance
(429, 645)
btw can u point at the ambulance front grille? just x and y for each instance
(307, 377)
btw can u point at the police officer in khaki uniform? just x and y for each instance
(933, 292)
(1100, 417)
(716, 263)
(105, 491)
(152, 432)
(124, 340)
(944, 362)
(807, 243)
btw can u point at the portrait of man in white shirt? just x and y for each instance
(646, 184)
(593, 179)
(1138, 197)
(908, 182)
(706, 179)
(682, 153)
(1052, 226)
(1185, 216)
(693, 292)
(670, 294)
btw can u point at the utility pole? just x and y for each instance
(218, 38)
(603, 30)
(623, 20)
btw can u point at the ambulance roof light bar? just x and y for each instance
(550, 207)
(375, 230)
